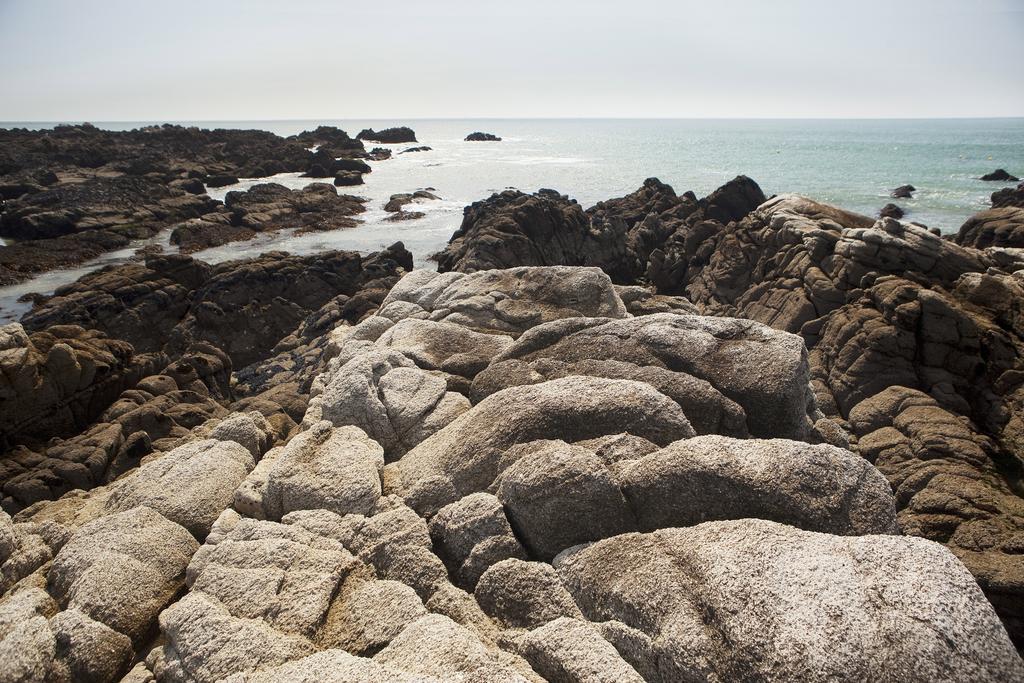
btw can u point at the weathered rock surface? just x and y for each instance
(700, 595)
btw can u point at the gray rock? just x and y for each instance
(560, 496)
(817, 488)
(474, 533)
(763, 370)
(334, 468)
(336, 666)
(190, 485)
(444, 346)
(573, 651)
(385, 395)
(522, 594)
(464, 457)
(121, 570)
(369, 616)
(204, 643)
(434, 645)
(279, 573)
(757, 600)
(87, 650)
(508, 301)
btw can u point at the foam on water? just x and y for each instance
(852, 164)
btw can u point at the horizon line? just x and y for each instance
(71, 121)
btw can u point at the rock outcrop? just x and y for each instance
(388, 135)
(482, 137)
(73, 193)
(1000, 175)
(431, 519)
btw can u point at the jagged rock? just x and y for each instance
(1001, 226)
(466, 456)
(122, 569)
(1000, 175)
(482, 137)
(891, 211)
(334, 468)
(242, 307)
(348, 178)
(699, 593)
(54, 383)
(903, 192)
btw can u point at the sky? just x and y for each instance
(140, 60)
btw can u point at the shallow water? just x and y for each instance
(852, 164)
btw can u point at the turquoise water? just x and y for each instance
(849, 163)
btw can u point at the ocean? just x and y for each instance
(849, 163)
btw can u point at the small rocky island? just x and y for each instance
(663, 438)
(482, 137)
(388, 135)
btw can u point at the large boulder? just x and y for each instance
(756, 600)
(327, 467)
(467, 455)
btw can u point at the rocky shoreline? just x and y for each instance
(663, 438)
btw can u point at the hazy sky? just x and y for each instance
(287, 59)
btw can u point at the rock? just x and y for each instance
(54, 383)
(220, 180)
(482, 137)
(336, 469)
(818, 488)
(423, 148)
(336, 665)
(525, 595)
(357, 165)
(473, 534)
(891, 211)
(373, 614)
(1000, 175)
(466, 456)
(379, 154)
(346, 178)
(558, 496)
(386, 396)
(190, 485)
(903, 192)
(1009, 196)
(205, 643)
(687, 588)
(243, 307)
(504, 301)
(573, 651)
(122, 569)
(89, 650)
(388, 135)
(996, 227)
(434, 645)
(763, 371)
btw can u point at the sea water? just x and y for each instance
(852, 164)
